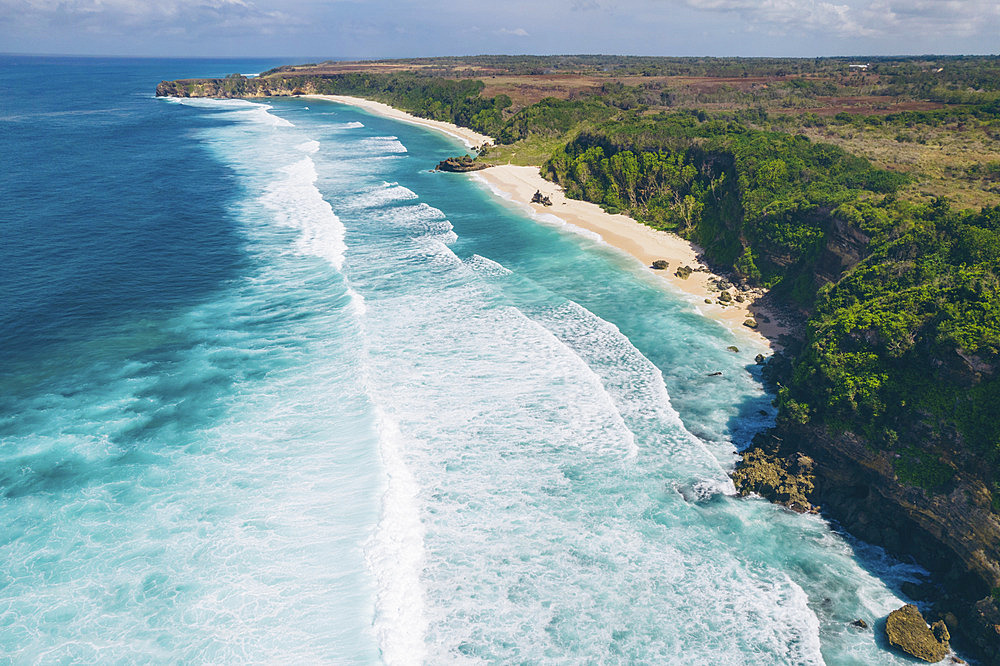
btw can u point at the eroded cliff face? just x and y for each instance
(951, 531)
(237, 87)
(845, 246)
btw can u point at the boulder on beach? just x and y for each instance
(660, 265)
(539, 198)
(750, 323)
(906, 630)
(684, 272)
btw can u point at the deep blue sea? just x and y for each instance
(271, 391)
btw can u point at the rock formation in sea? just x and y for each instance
(906, 629)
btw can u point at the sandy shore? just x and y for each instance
(463, 134)
(519, 183)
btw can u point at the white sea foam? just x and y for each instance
(240, 109)
(415, 221)
(395, 555)
(554, 220)
(383, 144)
(387, 193)
(310, 147)
(488, 267)
(529, 460)
(394, 552)
(212, 103)
(637, 385)
(516, 550)
(264, 116)
(351, 125)
(296, 202)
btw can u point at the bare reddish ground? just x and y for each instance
(875, 105)
(527, 89)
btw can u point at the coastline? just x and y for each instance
(519, 183)
(467, 136)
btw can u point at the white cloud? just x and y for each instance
(859, 19)
(782, 16)
(517, 32)
(159, 17)
(954, 17)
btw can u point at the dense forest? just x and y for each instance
(864, 193)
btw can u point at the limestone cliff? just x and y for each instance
(237, 87)
(952, 531)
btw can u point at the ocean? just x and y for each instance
(273, 391)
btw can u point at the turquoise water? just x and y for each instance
(288, 396)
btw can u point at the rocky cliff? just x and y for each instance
(237, 87)
(951, 531)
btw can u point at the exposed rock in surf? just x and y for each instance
(906, 629)
(785, 480)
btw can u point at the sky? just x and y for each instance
(406, 28)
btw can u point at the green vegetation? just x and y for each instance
(454, 101)
(758, 202)
(904, 349)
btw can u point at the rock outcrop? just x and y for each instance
(786, 481)
(906, 629)
(953, 533)
(461, 164)
(539, 198)
(236, 87)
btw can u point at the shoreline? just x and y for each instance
(467, 136)
(519, 183)
(646, 244)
